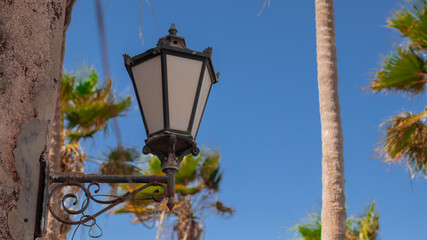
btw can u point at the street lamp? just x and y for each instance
(172, 85)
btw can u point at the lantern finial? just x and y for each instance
(173, 31)
(172, 39)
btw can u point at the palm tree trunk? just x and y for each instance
(161, 229)
(186, 227)
(53, 229)
(57, 230)
(333, 199)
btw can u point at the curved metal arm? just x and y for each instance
(170, 155)
(88, 197)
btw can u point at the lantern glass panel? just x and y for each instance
(183, 78)
(204, 92)
(148, 81)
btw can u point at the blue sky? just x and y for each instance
(263, 115)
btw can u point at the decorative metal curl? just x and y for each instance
(90, 220)
(90, 224)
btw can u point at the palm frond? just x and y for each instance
(405, 141)
(196, 184)
(86, 106)
(222, 210)
(364, 227)
(187, 170)
(120, 162)
(404, 70)
(311, 229)
(412, 24)
(154, 167)
(404, 137)
(187, 190)
(210, 171)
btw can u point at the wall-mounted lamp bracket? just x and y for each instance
(89, 185)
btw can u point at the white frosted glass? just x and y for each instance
(183, 78)
(204, 92)
(148, 80)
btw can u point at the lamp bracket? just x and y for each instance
(88, 185)
(73, 204)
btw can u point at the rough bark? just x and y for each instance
(53, 226)
(30, 49)
(333, 200)
(57, 230)
(187, 227)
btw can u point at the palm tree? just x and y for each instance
(405, 71)
(197, 183)
(85, 108)
(364, 227)
(333, 199)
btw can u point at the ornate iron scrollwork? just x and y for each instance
(88, 197)
(169, 148)
(89, 194)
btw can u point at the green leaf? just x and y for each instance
(87, 107)
(195, 186)
(120, 162)
(412, 24)
(404, 70)
(187, 170)
(364, 227)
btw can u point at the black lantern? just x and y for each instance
(172, 85)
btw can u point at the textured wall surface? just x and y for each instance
(31, 140)
(30, 48)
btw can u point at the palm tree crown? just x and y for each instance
(197, 183)
(86, 108)
(364, 227)
(405, 71)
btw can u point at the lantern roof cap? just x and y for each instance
(175, 44)
(172, 39)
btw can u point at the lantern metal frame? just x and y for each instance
(169, 145)
(175, 46)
